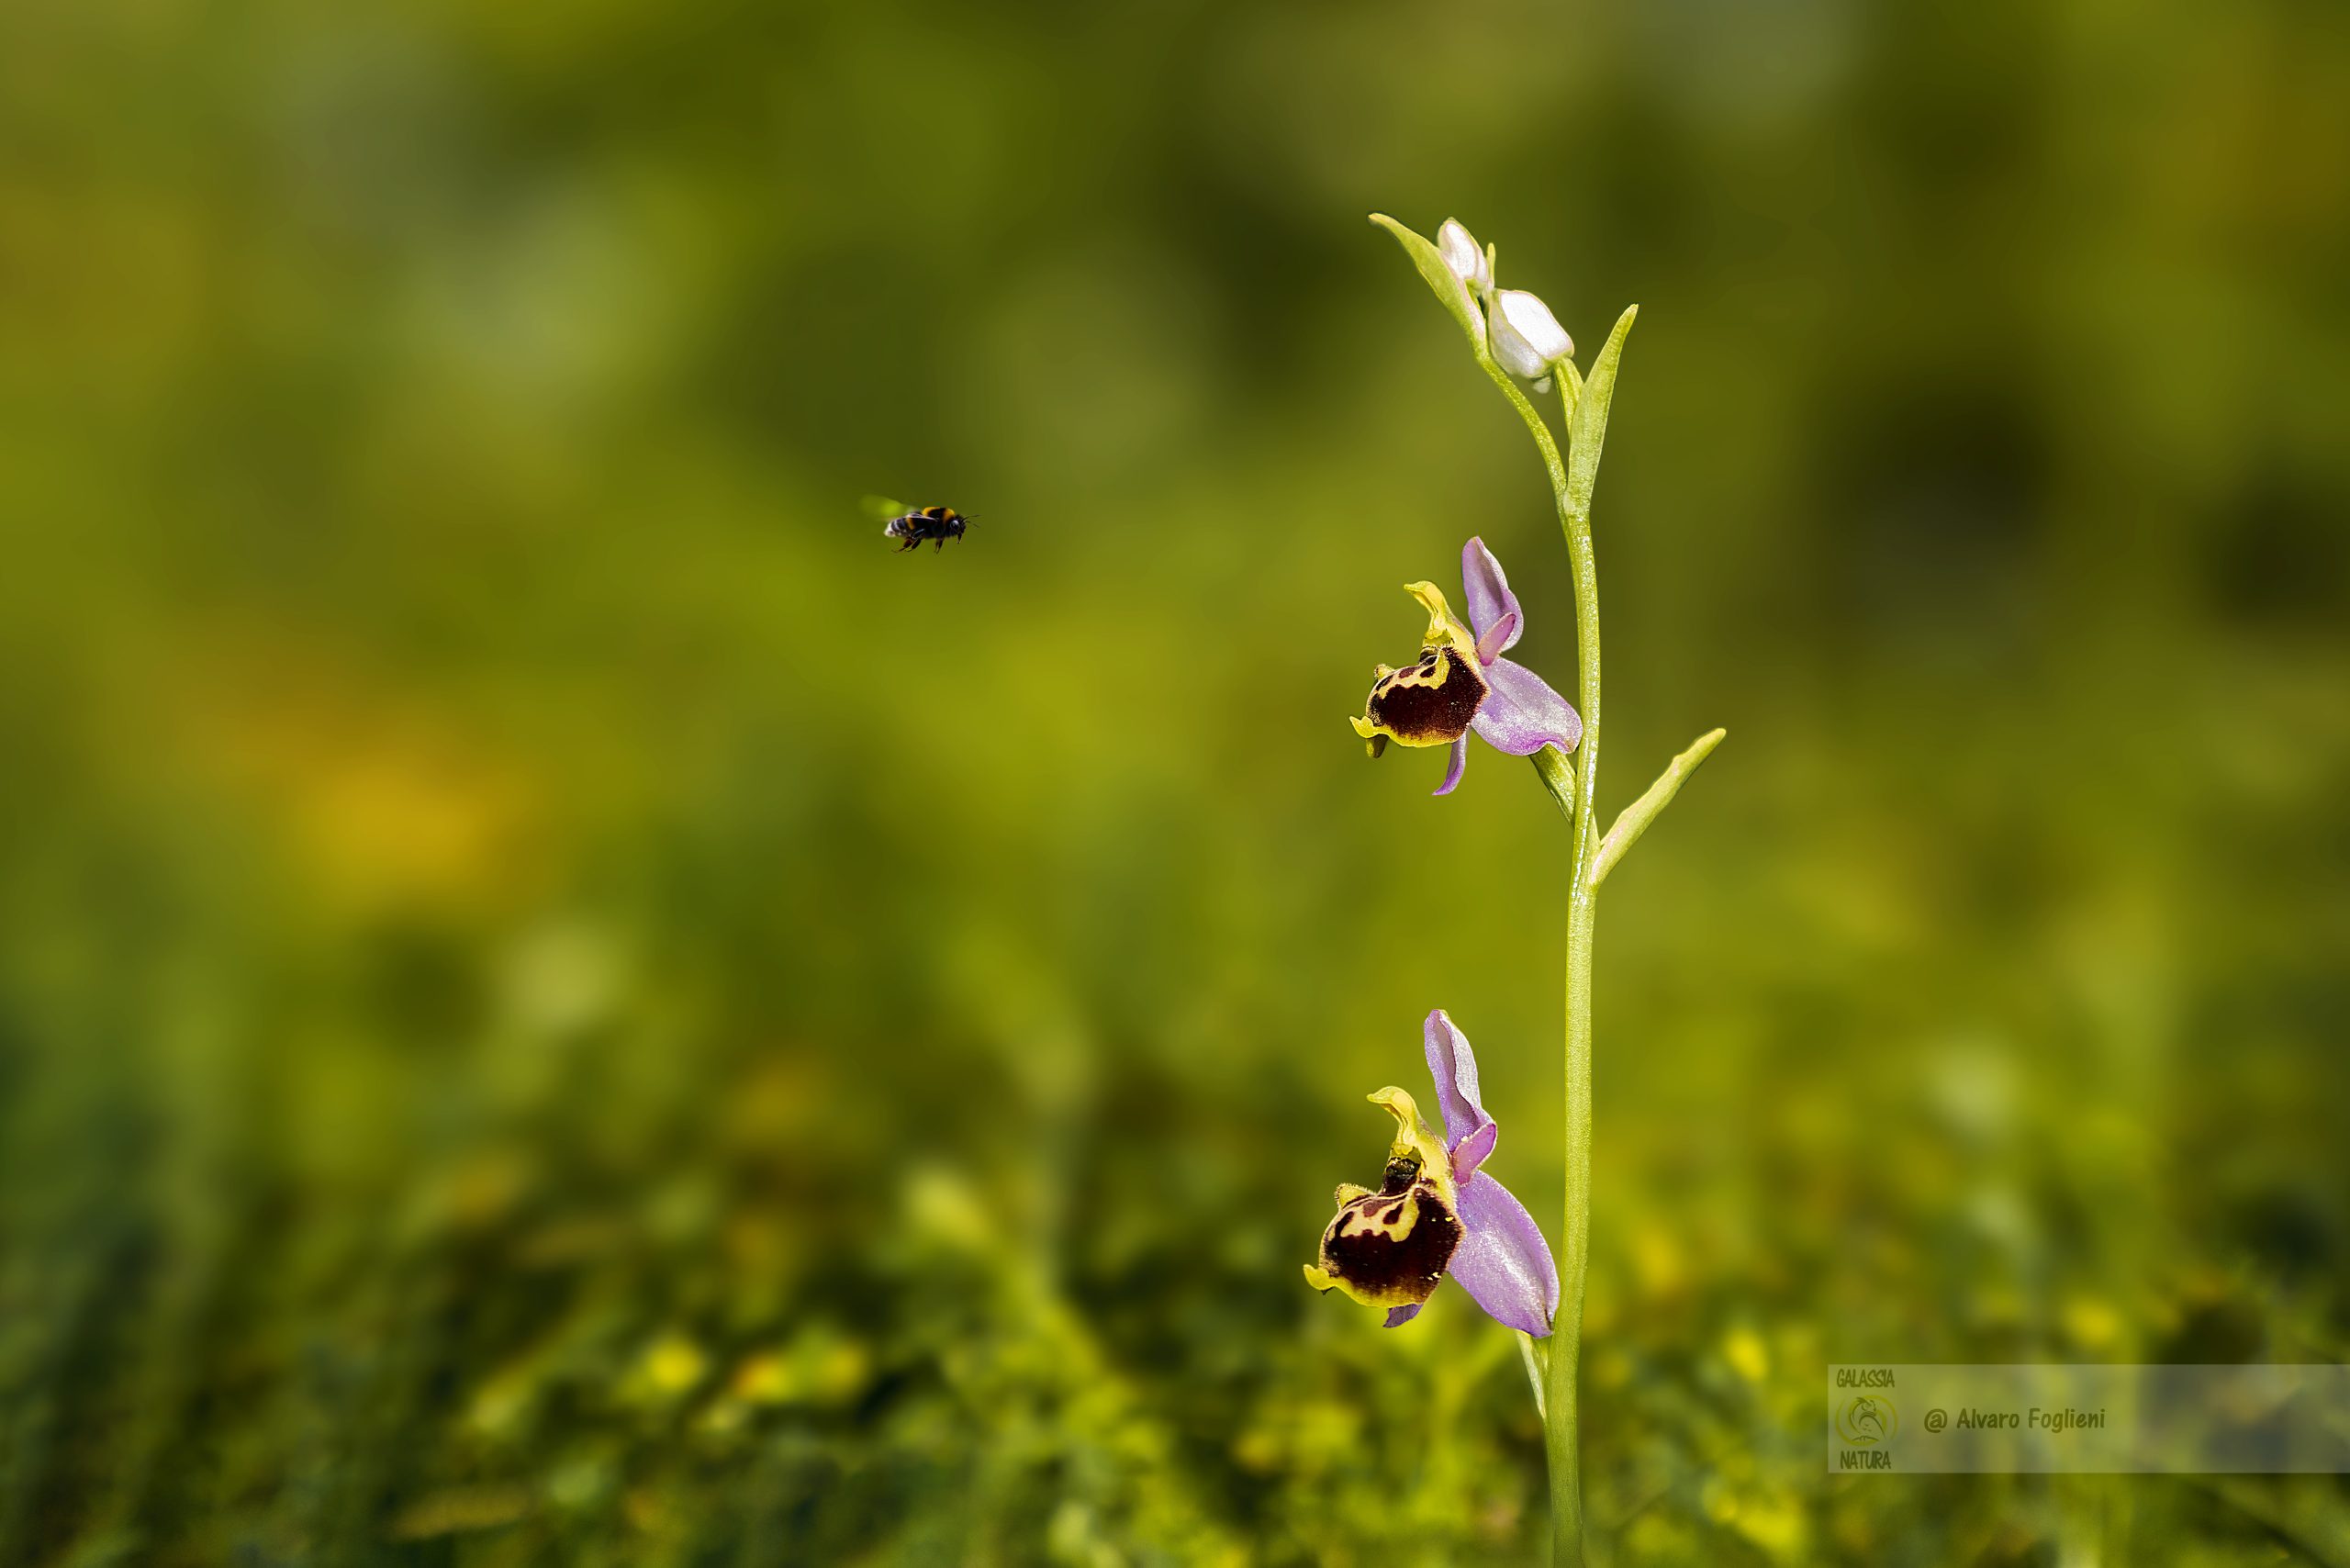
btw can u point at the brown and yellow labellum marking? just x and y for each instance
(1389, 1248)
(1428, 705)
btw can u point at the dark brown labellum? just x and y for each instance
(1430, 703)
(1391, 1246)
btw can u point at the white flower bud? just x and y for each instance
(1465, 258)
(1526, 337)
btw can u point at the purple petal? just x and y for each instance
(1455, 764)
(1474, 1150)
(1454, 1067)
(1399, 1315)
(1487, 591)
(1499, 636)
(1521, 714)
(1502, 1262)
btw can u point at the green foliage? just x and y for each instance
(561, 1004)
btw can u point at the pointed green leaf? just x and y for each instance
(1536, 1354)
(1634, 819)
(1558, 777)
(1589, 429)
(1448, 288)
(1570, 389)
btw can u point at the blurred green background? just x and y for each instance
(559, 1004)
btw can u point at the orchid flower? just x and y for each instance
(1436, 1213)
(1462, 683)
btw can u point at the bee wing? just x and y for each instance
(881, 509)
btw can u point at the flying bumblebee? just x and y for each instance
(912, 525)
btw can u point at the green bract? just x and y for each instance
(1441, 280)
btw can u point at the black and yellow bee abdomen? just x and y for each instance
(937, 524)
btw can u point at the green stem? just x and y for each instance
(1572, 479)
(1572, 787)
(1583, 914)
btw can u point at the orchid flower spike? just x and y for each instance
(1462, 683)
(1436, 1213)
